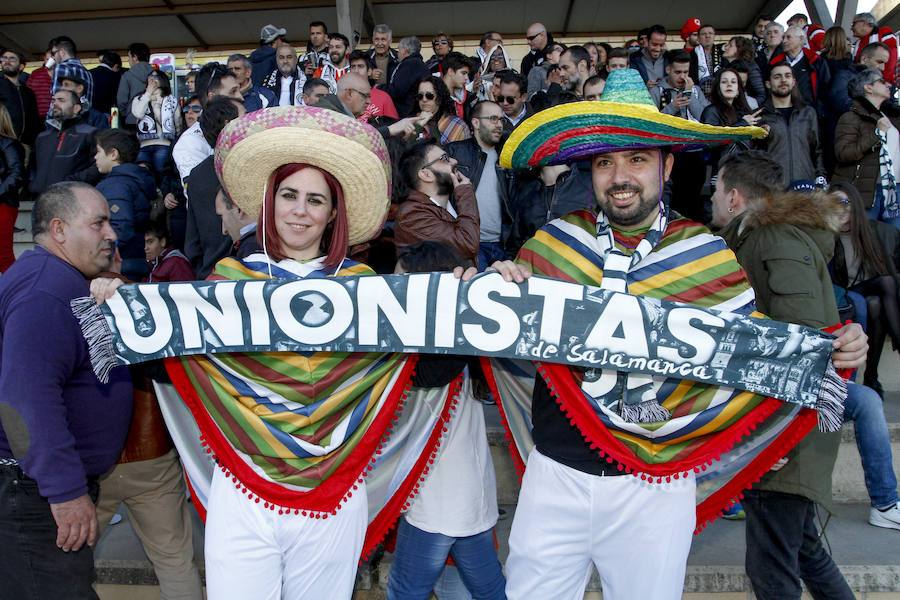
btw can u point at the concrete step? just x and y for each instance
(23, 241)
(866, 555)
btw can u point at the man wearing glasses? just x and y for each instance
(353, 96)
(866, 31)
(477, 158)
(432, 178)
(538, 38)
(63, 51)
(511, 95)
(489, 41)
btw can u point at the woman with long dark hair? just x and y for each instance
(444, 126)
(727, 108)
(863, 263)
(741, 49)
(158, 122)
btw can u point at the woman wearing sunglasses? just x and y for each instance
(444, 126)
(442, 45)
(191, 110)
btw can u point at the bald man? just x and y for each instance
(353, 95)
(538, 38)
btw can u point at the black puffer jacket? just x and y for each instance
(12, 170)
(404, 82)
(535, 204)
(794, 144)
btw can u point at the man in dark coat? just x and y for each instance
(205, 242)
(405, 80)
(18, 99)
(810, 70)
(263, 58)
(66, 154)
(538, 39)
(106, 81)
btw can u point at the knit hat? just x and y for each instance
(625, 118)
(252, 147)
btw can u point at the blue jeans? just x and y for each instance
(862, 309)
(866, 410)
(157, 156)
(489, 253)
(421, 556)
(450, 586)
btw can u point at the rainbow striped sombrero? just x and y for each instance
(625, 118)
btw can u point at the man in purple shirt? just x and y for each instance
(60, 428)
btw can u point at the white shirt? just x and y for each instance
(459, 497)
(285, 98)
(190, 150)
(449, 208)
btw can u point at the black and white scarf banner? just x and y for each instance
(539, 320)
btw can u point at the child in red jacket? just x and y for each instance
(166, 263)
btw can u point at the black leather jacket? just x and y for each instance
(12, 170)
(535, 204)
(471, 161)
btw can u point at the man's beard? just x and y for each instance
(573, 83)
(11, 71)
(287, 73)
(780, 93)
(444, 183)
(60, 115)
(488, 136)
(633, 215)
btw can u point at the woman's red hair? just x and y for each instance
(335, 238)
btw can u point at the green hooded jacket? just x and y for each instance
(784, 244)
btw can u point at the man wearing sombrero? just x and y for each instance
(620, 466)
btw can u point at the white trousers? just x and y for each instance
(637, 534)
(255, 553)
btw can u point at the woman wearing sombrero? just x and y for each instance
(312, 465)
(620, 465)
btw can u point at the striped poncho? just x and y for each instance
(730, 437)
(301, 432)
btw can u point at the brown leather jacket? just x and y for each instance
(148, 437)
(419, 219)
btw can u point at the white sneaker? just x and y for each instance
(889, 518)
